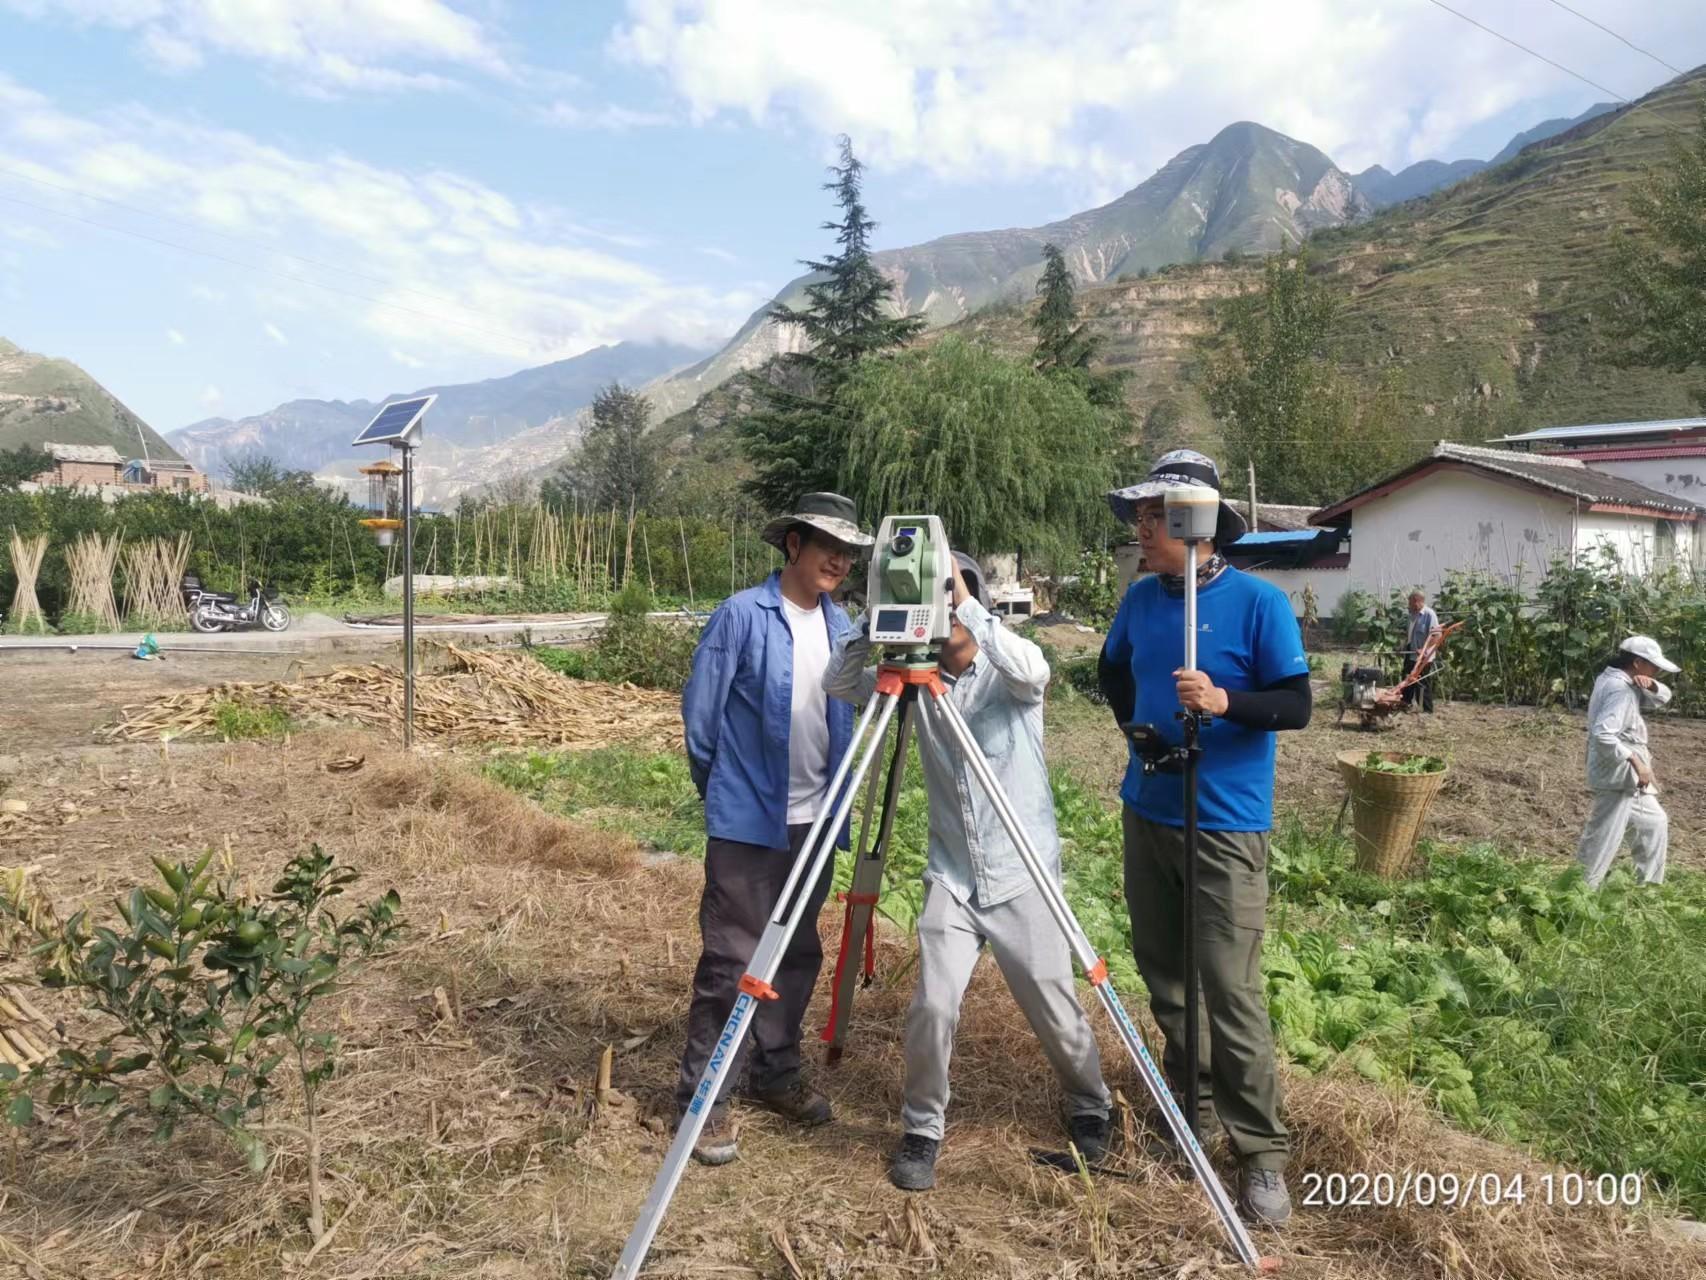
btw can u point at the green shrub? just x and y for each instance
(632, 648)
(236, 720)
(1093, 597)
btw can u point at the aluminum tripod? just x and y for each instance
(898, 684)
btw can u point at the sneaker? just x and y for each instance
(716, 1144)
(1089, 1133)
(1262, 1196)
(913, 1167)
(796, 1100)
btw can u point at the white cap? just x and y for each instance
(1648, 648)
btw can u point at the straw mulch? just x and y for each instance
(480, 698)
(470, 1132)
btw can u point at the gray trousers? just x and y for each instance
(1033, 957)
(1615, 814)
(742, 883)
(1237, 1078)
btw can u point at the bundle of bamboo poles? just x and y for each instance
(27, 555)
(24, 1031)
(92, 559)
(153, 581)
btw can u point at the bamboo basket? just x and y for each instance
(1388, 810)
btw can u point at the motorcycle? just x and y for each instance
(212, 611)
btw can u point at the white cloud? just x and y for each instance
(275, 333)
(608, 118)
(212, 397)
(406, 360)
(970, 89)
(721, 255)
(433, 263)
(325, 46)
(176, 338)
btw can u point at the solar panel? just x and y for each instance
(396, 421)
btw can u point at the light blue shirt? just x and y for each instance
(1001, 697)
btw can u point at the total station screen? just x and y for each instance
(891, 620)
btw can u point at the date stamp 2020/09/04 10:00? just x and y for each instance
(1425, 1189)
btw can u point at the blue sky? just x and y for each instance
(218, 205)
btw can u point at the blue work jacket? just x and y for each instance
(737, 709)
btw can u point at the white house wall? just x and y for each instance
(1454, 520)
(1684, 478)
(1632, 539)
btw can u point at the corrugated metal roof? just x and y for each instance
(1664, 426)
(1278, 538)
(83, 453)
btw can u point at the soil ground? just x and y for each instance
(465, 1137)
(1515, 773)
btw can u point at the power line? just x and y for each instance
(1646, 53)
(1576, 75)
(282, 275)
(243, 240)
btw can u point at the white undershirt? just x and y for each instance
(808, 731)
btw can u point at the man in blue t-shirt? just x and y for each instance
(1252, 678)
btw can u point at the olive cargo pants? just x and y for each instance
(1238, 1078)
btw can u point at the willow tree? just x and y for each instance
(1009, 458)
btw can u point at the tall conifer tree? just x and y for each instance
(794, 437)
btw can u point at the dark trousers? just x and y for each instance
(742, 884)
(1237, 1076)
(1423, 688)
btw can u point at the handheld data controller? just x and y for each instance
(910, 596)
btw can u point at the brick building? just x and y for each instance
(81, 465)
(100, 466)
(161, 474)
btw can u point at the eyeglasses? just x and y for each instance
(1150, 519)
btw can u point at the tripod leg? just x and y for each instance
(867, 885)
(813, 858)
(1097, 971)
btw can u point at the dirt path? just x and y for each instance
(1516, 772)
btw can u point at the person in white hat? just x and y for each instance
(1620, 765)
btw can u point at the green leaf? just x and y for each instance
(8, 1072)
(20, 1110)
(162, 1097)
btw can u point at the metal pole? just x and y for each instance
(1193, 983)
(408, 597)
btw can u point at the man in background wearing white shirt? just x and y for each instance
(1620, 766)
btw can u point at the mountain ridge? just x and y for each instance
(48, 399)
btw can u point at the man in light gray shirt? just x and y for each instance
(977, 891)
(1620, 766)
(1424, 622)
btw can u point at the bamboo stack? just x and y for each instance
(23, 1029)
(27, 555)
(154, 574)
(92, 560)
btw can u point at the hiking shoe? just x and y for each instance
(1262, 1196)
(716, 1144)
(913, 1167)
(1089, 1133)
(797, 1101)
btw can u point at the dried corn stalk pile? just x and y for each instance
(482, 698)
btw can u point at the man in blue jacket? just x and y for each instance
(1252, 680)
(763, 740)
